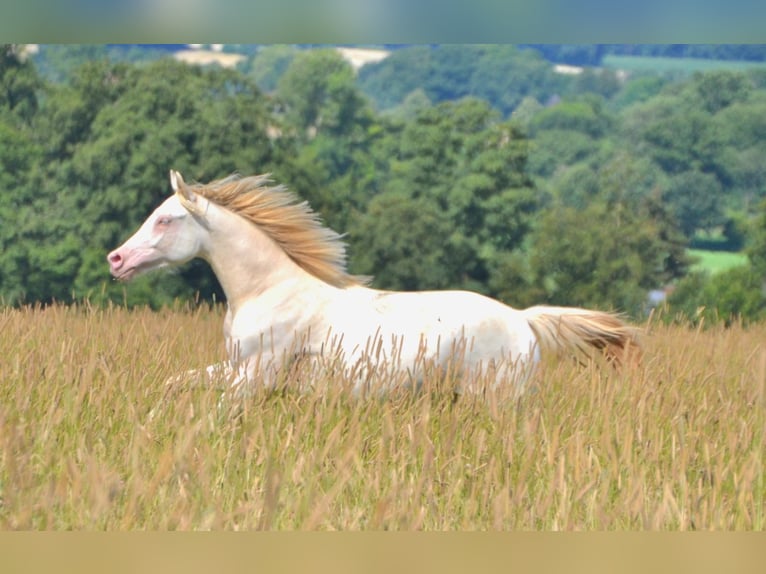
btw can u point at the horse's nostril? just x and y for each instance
(114, 258)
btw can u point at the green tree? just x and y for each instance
(402, 240)
(607, 238)
(741, 129)
(269, 64)
(331, 136)
(67, 118)
(20, 83)
(104, 144)
(602, 82)
(462, 173)
(205, 122)
(20, 158)
(735, 294)
(527, 109)
(412, 105)
(604, 256)
(319, 94)
(588, 116)
(502, 75)
(637, 90)
(554, 149)
(720, 89)
(683, 141)
(695, 200)
(756, 248)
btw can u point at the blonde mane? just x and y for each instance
(291, 223)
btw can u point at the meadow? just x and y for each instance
(716, 261)
(686, 66)
(674, 443)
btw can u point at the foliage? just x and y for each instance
(756, 249)
(735, 294)
(269, 64)
(637, 90)
(500, 74)
(117, 130)
(58, 63)
(485, 168)
(611, 264)
(469, 201)
(696, 199)
(20, 83)
(586, 116)
(318, 93)
(597, 54)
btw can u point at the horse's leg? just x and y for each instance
(215, 376)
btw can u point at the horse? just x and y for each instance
(290, 297)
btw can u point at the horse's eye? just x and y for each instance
(164, 221)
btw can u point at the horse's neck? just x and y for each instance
(248, 263)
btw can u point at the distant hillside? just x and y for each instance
(593, 54)
(500, 74)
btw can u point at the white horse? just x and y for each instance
(289, 296)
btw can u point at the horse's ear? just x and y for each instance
(181, 189)
(176, 181)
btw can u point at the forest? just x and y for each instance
(475, 167)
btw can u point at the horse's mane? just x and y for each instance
(291, 223)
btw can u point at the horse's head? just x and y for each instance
(172, 235)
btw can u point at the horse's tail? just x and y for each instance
(562, 329)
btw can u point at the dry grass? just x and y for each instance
(675, 444)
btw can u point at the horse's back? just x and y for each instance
(483, 327)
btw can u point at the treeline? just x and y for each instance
(568, 191)
(593, 54)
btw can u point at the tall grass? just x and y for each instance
(676, 443)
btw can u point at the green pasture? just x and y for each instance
(716, 261)
(676, 65)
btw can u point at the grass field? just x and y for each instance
(716, 261)
(676, 65)
(676, 443)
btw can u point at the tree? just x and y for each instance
(269, 64)
(412, 105)
(332, 133)
(554, 149)
(600, 256)
(683, 141)
(20, 83)
(460, 174)
(607, 238)
(207, 123)
(695, 200)
(636, 90)
(67, 118)
(756, 249)
(502, 75)
(720, 89)
(401, 239)
(587, 116)
(735, 294)
(108, 139)
(319, 94)
(602, 82)
(527, 109)
(741, 129)
(20, 158)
